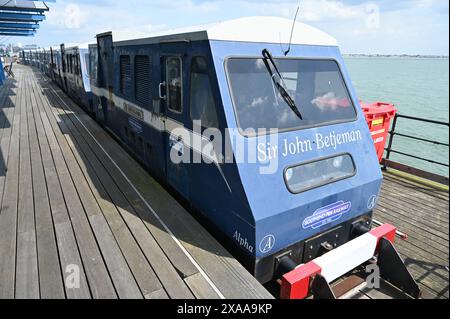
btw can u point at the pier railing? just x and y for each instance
(387, 162)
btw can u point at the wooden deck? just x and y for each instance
(71, 199)
(422, 212)
(73, 202)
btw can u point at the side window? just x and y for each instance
(77, 66)
(203, 107)
(142, 79)
(93, 60)
(125, 75)
(86, 62)
(174, 84)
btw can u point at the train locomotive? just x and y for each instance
(309, 179)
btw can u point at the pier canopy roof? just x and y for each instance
(22, 17)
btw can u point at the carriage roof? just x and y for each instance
(252, 29)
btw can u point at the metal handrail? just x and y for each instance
(393, 134)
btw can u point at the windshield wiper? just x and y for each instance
(279, 84)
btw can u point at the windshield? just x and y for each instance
(316, 86)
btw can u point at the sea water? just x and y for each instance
(418, 87)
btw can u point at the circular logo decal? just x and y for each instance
(267, 244)
(372, 202)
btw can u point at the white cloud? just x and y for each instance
(74, 17)
(71, 16)
(413, 26)
(310, 10)
(187, 5)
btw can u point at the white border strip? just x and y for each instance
(183, 249)
(161, 124)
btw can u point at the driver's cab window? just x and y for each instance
(203, 106)
(174, 84)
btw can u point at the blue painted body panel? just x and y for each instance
(275, 210)
(249, 208)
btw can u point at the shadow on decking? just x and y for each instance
(430, 269)
(108, 187)
(6, 92)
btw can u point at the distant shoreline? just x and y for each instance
(405, 56)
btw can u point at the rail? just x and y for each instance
(387, 162)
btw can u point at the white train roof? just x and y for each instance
(79, 45)
(252, 29)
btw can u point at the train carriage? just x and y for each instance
(75, 74)
(258, 129)
(235, 77)
(47, 62)
(56, 65)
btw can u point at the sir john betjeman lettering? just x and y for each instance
(301, 146)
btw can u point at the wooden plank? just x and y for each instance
(121, 275)
(7, 113)
(415, 214)
(416, 230)
(66, 243)
(177, 258)
(5, 125)
(141, 269)
(159, 261)
(117, 265)
(416, 197)
(423, 190)
(8, 210)
(170, 278)
(180, 261)
(27, 278)
(409, 249)
(200, 287)
(98, 278)
(424, 252)
(415, 222)
(423, 241)
(50, 277)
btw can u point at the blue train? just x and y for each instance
(264, 139)
(74, 64)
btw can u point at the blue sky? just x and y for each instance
(385, 26)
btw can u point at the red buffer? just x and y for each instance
(301, 282)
